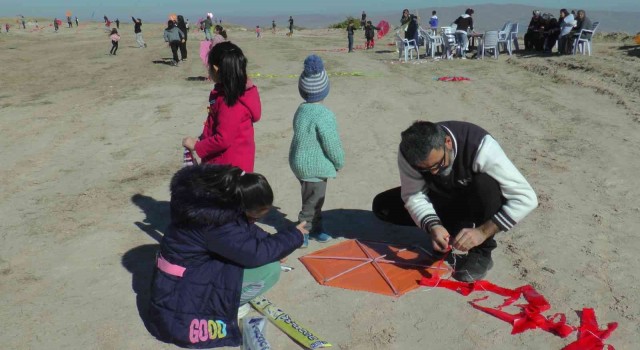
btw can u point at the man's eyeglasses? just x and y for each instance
(436, 168)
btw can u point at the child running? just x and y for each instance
(316, 151)
(115, 37)
(234, 105)
(214, 259)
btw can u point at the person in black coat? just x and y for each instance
(214, 258)
(182, 25)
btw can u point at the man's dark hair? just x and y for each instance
(419, 140)
(433, 12)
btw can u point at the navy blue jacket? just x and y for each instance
(200, 309)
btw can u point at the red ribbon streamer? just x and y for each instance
(589, 334)
(453, 79)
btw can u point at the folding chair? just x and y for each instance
(584, 39)
(504, 36)
(406, 47)
(489, 42)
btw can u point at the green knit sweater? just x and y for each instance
(316, 151)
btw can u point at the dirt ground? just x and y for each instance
(90, 141)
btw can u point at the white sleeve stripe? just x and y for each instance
(500, 223)
(506, 217)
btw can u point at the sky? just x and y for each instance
(155, 10)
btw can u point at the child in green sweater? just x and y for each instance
(316, 151)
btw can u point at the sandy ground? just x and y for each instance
(89, 142)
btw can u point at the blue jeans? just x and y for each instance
(463, 41)
(350, 37)
(207, 34)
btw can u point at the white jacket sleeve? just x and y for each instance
(414, 195)
(520, 197)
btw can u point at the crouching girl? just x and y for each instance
(213, 258)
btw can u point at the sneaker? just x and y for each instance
(473, 267)
(321, 237)
(305, 242)
(243, 310)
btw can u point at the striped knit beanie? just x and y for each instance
(314, 82)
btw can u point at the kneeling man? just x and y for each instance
(459, 186)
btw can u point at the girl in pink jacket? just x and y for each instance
(115, 37)
(234, 105)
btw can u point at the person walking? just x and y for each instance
(69, 23)
(55, 25)
(182, 25)
(117, 23)
(273, 26)
(290, 26)
(115, 38)
(207, 28)
(77, 22)
(174, 37)
(137, 29)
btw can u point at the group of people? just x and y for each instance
(545, 30)
(213, 258)
(457, 186)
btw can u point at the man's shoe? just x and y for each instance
(321, 237)
(473, 267)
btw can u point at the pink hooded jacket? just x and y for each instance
(227, 136)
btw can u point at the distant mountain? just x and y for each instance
(486, 17)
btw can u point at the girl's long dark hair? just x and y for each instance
(198, 193)
(232, 70)
(181, 24)
(170, 24)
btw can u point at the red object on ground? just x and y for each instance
(453, 79)
(589, 334)
(377, 267)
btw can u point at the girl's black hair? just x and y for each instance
(113, 31)
(213, 194)
(170, 24)
(255, 191)
(221, 31)
(181, 24)
(232, 70)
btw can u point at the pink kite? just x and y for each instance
(383, 28)
(205, 47)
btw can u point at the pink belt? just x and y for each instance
(171, 269)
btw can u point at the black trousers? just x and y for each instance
(114, 47)
(175, 45)
(183, 50)
(475, 205)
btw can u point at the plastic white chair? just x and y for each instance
(513, 38)
(431, 42)
(449, 45)
(489, 42)
(406, 47)
(583, 39)
(504, 36)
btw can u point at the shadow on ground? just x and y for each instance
(140, 262)
(355, 224)
(631, 50)
(157, 215)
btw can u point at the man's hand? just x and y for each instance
(440, 239)
(469, 238)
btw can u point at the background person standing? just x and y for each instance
(137, 29)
